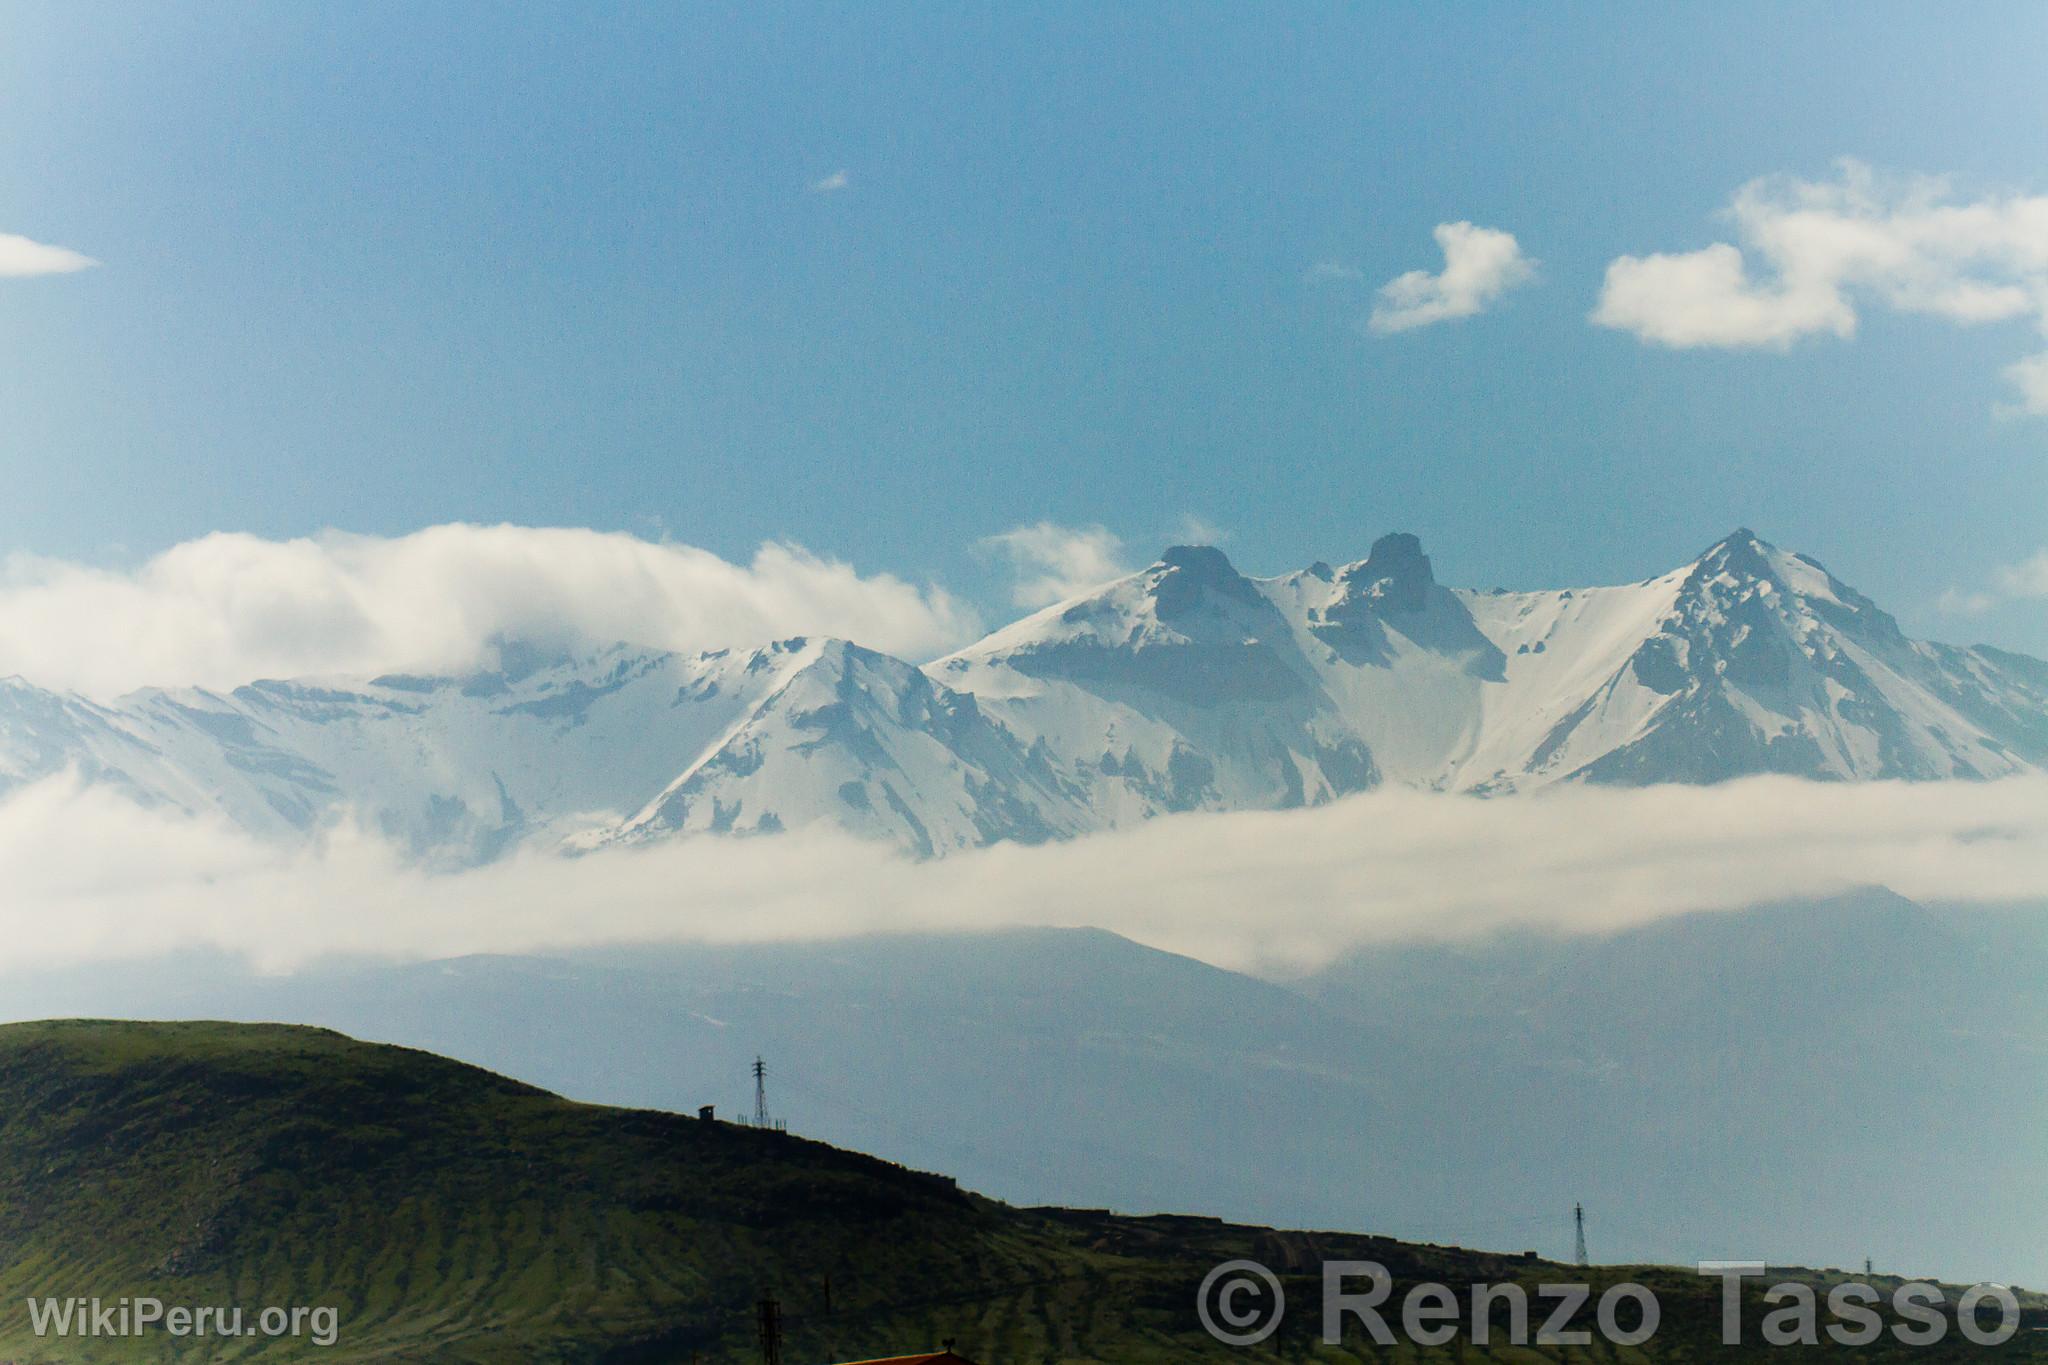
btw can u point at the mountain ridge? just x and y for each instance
(1721, 1083)
(431, 1210)
(1186, 685)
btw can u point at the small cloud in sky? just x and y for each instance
(2027, 579)
(1813, 252)
(1480, 264)
(2024, 581)
(1051, 563)
(1332, 272)
(832, 184)
(20, 258)
(1962, 602)
(1195, 530)
(2030, 377)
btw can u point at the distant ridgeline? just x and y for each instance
(449, 1214)
(1185, 686)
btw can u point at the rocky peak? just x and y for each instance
(1742, 556)
(1396, 574)
(1186, 574)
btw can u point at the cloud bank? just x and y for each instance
(1480, 264)
(228, 608)
(1051, 563)
(92, 877)
(22, 258)
(1812, 251)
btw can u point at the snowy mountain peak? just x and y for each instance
(1396, 573)
(853, 737)
(1744, 559)
(1741, 556)
(1188, 576)
(1184, 686)
(1766, 662)
(1200, 562)
(1744, 569)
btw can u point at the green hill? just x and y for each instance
(448, 1214)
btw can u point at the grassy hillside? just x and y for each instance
(448, 1214)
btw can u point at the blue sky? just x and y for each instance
(381, 266)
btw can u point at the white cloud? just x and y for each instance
(1705, 298)
(20, 257)
(1196, 530)
(2012, 582)
(1961, 602)
(2026, 579)
(1052, 563)
(1332, 272)
(229, 608)
(1813, 251)
(832, 184)
(91, 876)
(2030, 377)
(1480, 264)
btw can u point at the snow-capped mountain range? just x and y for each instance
(1185, 686)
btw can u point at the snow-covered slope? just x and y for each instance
(625, 744)
(1767, 663)
(454, 767)
(1298, 688)
(868, 742)
(1184, 686)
